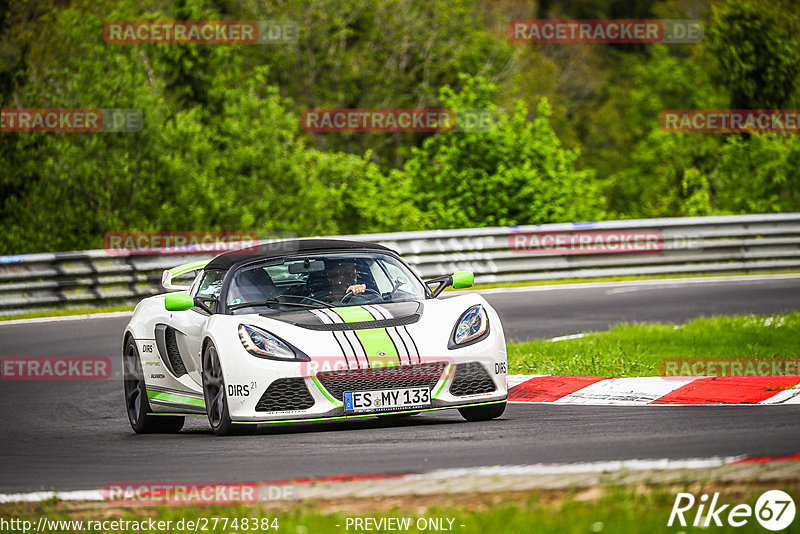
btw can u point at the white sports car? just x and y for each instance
(309, 330)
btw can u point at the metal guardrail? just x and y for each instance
(737, 243)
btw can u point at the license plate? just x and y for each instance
(386, 400)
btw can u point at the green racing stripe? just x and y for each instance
(380, 349)
(449, 372)
(324, 392)
(186, 267)
(175, 398)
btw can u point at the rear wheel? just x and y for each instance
(136, 403)
(216, 401)
(483, 413)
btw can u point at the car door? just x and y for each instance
(188, 325)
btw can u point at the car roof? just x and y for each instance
(286, 247)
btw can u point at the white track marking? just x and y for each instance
(626, 391)
(35, 320)
(640, 391)
(584, 467)
(787, 396)
(37, 496)
(571, 336)
(449, 473)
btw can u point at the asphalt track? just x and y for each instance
(75, 435)
(549, 311)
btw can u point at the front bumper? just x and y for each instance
(262, 390)
(296, 397)
(265, 391)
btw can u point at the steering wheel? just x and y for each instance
(347, 296)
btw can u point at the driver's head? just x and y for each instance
(342, 274)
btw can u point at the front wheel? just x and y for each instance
(136, 403)
(483, 413)
(216, 401)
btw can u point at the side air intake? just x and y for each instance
(285, 394)
(167, 345)
(471, 379)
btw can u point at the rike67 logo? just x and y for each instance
(774, 510)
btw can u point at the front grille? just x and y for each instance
(285, 394)
(401, 376)
(471, 379)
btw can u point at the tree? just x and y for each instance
(759, 174)
(516, 173)
(757, 46)
(197, 166)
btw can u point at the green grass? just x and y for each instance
(609, 510)
(637, 349)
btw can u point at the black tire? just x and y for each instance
(136, 403)
(216, 400)
(483, 413)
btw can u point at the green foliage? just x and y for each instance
(241, 166)
(641, 166)
(666, 176)
(222, 147)
(757, 45)
(697, 194)
(368, 54)
(515, 173)
(759, 174)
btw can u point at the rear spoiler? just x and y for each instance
(166, 278)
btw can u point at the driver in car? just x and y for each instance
(342, 277)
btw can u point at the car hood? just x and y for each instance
(353, 317)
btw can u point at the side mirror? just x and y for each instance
(178, 302)
(463, 279)
(459, 280)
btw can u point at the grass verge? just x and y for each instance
(626, 509)
(637, 349)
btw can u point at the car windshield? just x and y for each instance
(323, 280)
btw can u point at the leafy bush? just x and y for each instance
(516, 173)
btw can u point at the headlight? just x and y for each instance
(261, 343)
(472, 324)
